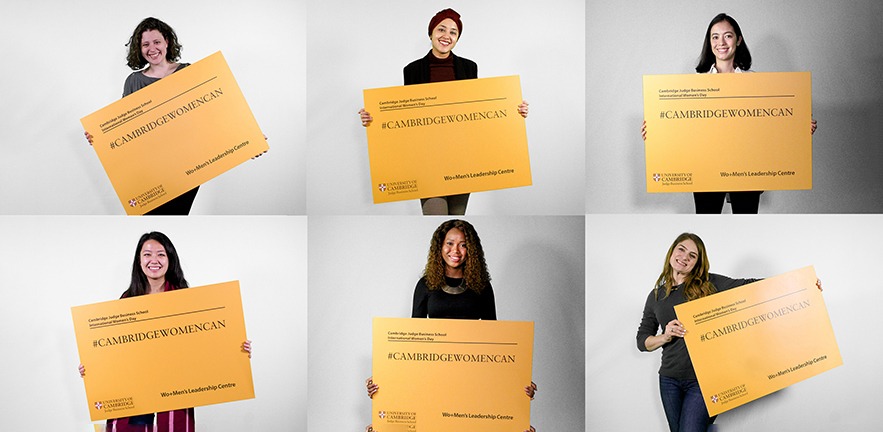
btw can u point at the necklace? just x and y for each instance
(459, 289)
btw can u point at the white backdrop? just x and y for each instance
(358, 45)
(53, 263)
(365, 267)
(69, 61)
(624, 256)
(626, 40)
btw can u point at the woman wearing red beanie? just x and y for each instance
(440, 64)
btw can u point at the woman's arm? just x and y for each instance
(420, 307)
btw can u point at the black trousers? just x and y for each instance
(177, 206)
(713, 202)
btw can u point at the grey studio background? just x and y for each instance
(830, 39)
(365, 267)
(624, 256)
(53, 263)
(70, 62)
(359, 45)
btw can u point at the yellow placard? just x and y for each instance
(446, 138)
(728, 132)
(445, 375)
(161, 352)
(175, 134)
(756, 339)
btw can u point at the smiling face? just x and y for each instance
(153, 47)
(444, 37)
(724, 41)
(154, 260)
(454, 252)
(683, 258)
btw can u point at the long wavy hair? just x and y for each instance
(475, 271)
(174, 274)
(696, 284)
(707, 58)
(135, 60)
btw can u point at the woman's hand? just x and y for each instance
(366, 117)
(369, 428)
(89, 137)
(246, 346)
(674, 328)
(372, 388)
(82, 370)
(531, 430)
(814, 124)
(531, 390)
(644, 130)
(523, 108)
(819, 284)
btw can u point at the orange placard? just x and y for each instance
(161, 352)
(446, 138)
(175, 134)
(756, 339)
(446, 375)
(728, 132)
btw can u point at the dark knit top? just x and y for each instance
(466, 305)
(676, 361)
(441, 69)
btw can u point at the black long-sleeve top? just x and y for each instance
(466, 305)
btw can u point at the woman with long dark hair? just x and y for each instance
(724, 50)
(438, 65)
(156, 269)
(455, 284)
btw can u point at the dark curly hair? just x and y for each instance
(135, 60)
(697, 283)
(174, 274)
(475, 271)
(706, 58)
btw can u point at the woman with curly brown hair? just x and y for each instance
(455, 283)
(154, 44)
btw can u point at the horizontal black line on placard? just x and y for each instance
(163, 103)
(159, 317)
(455, 342)
(702, 320)
(444, 104)
(728, 97)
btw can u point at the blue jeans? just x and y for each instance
(684, 408)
